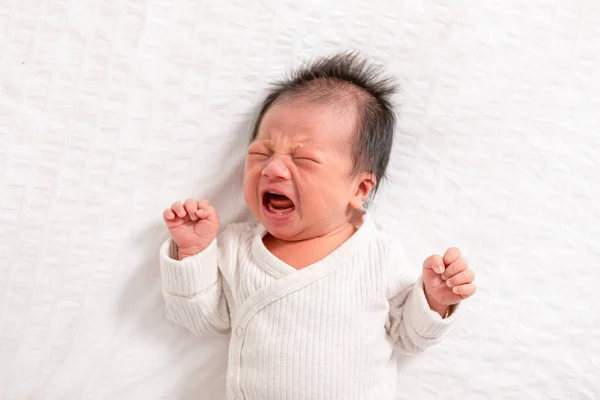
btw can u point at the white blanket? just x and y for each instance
(111, 110)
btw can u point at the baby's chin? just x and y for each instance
(292, 231)
(288, 233)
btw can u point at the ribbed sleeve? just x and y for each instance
(415, 326)
(192, 289)
(191, 275)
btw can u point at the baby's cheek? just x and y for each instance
(250, 192)
(333, 194)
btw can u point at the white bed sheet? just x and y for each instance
(110, 110)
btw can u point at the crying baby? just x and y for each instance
(315, 295)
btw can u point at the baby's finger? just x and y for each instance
(178, 209)
(466, 276)
(454, 268)
(191, 206)
(202, 213)
(465, 291)
(209, 213)
(205, 211)
(203, 203)
(168, 215)
(452, 254)
(434, 263)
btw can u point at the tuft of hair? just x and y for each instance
(349, 79)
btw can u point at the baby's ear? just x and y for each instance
(365, 182)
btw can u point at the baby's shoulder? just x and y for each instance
(395, 267)
(392, 249)
(235, 245)
(237, 233)
(381, 239)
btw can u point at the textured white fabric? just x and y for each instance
(111, 110)
(326, 331)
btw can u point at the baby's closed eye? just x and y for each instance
(307, 157)
(258, 153)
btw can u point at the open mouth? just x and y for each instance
(277, 203)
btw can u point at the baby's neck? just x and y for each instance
(302, 253)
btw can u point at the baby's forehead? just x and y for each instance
(307, 120)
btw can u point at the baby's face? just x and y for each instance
(298, 178)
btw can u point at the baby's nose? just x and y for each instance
(276, 169)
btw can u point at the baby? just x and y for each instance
(314, 294)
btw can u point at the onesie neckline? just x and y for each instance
(350, 247)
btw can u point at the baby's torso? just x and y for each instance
(314, 333)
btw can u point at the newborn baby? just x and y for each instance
(314, 294)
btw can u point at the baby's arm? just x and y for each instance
(192, 284)
(413, 325)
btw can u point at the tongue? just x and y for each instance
(280, 202)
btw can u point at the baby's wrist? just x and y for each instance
(442, 309)
(182, 253)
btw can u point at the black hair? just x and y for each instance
(347, 77)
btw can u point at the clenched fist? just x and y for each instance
(193, 225)
(447, 280)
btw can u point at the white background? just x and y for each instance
(110, 110)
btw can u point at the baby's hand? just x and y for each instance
(193, 225)
(447, 280)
